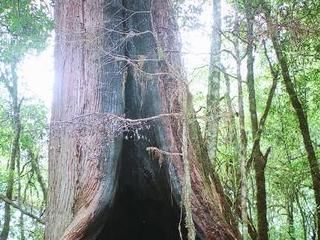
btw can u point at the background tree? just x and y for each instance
(300, 112)
(213, 96)
(24, 27)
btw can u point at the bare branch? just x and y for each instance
(154, 149)
(113, 116)
(223, 70)
(25, 212)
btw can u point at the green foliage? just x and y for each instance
(34, 117)
(25, 26)
(288, 180)
(188, 12)
(37, 233)
(33, 140)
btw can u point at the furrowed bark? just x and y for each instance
(83, 156)
(116, 120)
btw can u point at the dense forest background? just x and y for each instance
(256, 94)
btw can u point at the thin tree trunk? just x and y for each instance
(290, 218)
(301, 116)
(233, 136)
(243, 135)
(251, 227)
(16, 125)
(20, 200)
(34, 157)
(259, 161)
(213, 97)
(260, 164)
(250, 69)
(303, 216)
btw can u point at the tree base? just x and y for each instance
(136, 218)
(144, 207)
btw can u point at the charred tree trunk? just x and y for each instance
(116, 157)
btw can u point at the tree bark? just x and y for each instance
(213, 97)
(116, 166)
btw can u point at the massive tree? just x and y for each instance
(124, 140)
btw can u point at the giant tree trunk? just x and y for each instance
(116, 169)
